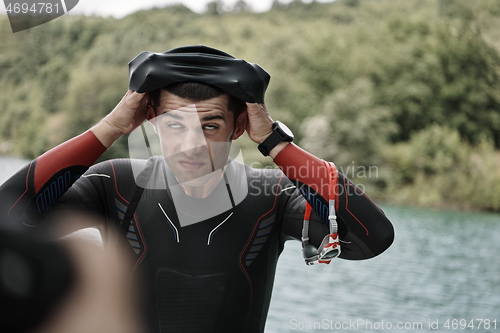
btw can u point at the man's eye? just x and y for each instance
(174, 126)
(210, 127)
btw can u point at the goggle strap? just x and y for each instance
(305, 229)
(332, 218)
(331, 241)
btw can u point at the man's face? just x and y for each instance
(195, 137)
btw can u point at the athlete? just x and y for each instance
(204, 229)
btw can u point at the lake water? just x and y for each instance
(9, 166)
(443, 266)
(442, 274)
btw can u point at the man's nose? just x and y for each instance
(193, 140)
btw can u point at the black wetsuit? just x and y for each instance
(212, 276)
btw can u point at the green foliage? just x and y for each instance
(432, 151)
(409, 86)
(349, 119)
(437, 167)
(443, 76)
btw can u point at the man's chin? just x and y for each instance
(197, 180)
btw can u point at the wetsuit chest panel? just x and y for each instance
(232, 244)
(187, 303)
(211, 245)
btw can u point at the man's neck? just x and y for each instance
(203, 191)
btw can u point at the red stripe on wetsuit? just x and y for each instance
(82, 150)
(297, 164)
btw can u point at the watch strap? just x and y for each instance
(269, 143)
(273, 139)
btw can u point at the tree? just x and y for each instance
(241, 6)
(215, 8)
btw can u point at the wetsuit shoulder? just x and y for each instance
(102, 182)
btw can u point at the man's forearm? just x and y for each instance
(299, 165)
(276, 150)
(106, 133)
(32, 192)
(357, 214)
(82, 150)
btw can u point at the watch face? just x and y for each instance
(285, 130)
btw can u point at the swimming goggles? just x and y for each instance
(330, 246)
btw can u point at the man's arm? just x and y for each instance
(363, 227)
(32, 192)
(364, 230)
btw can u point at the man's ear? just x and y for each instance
(151, 116)
(150, 112)
(240, 125)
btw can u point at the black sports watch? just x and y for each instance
(280, 133)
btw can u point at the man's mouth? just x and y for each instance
(191, 165)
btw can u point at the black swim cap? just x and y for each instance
(198, 63)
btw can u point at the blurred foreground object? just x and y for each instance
(34, 277)
(71, 285)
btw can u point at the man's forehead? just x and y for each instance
(192, 113)
(171, 102)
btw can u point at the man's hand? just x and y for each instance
(260, 123)
(130, 113)
(260, 126)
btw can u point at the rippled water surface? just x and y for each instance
(442, 265)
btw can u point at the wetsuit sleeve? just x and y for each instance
(364, 230)
(32, 192)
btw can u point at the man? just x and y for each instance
(206, 231)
